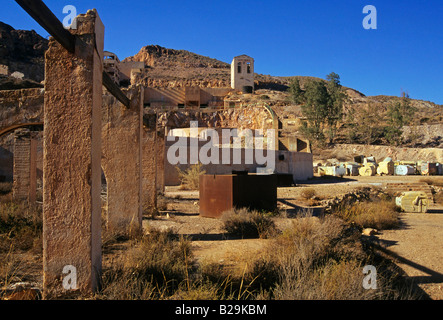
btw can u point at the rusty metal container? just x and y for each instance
(219, 193)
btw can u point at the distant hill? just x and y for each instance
(170, 68)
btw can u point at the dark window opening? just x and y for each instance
(239, 67)
(248, 67)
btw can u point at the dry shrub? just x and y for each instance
(308, 193)
(379, 215)
(190, 178)
(247, 223)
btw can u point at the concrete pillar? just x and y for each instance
(72, 257)
(122, 135)
(160, 147)
(25, 166)
(150, 159)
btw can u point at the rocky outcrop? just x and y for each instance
(155, 55)
(23, 51)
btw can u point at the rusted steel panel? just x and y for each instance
(215, 195)
(219, 193)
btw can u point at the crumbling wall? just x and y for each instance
(251, 117)
(25, 166)
(299, 164)
(21, 106)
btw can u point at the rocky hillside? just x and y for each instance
(23, 51)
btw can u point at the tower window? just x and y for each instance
(248, 67)
(239, 67)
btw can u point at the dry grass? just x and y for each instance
(20, 226)
(153, 269)
(323, 259)
(20, 241)
(380, 215)
(5, 187)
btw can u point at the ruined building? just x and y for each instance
(123, 73)
(242, 74)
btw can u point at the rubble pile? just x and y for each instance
(363, 194)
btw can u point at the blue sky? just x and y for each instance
(286, 38)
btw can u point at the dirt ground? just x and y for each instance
(418, 249)
(417, 246)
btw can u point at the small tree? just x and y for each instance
(297, 95)
(323, 105)
(365, 124)
(398, 115)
